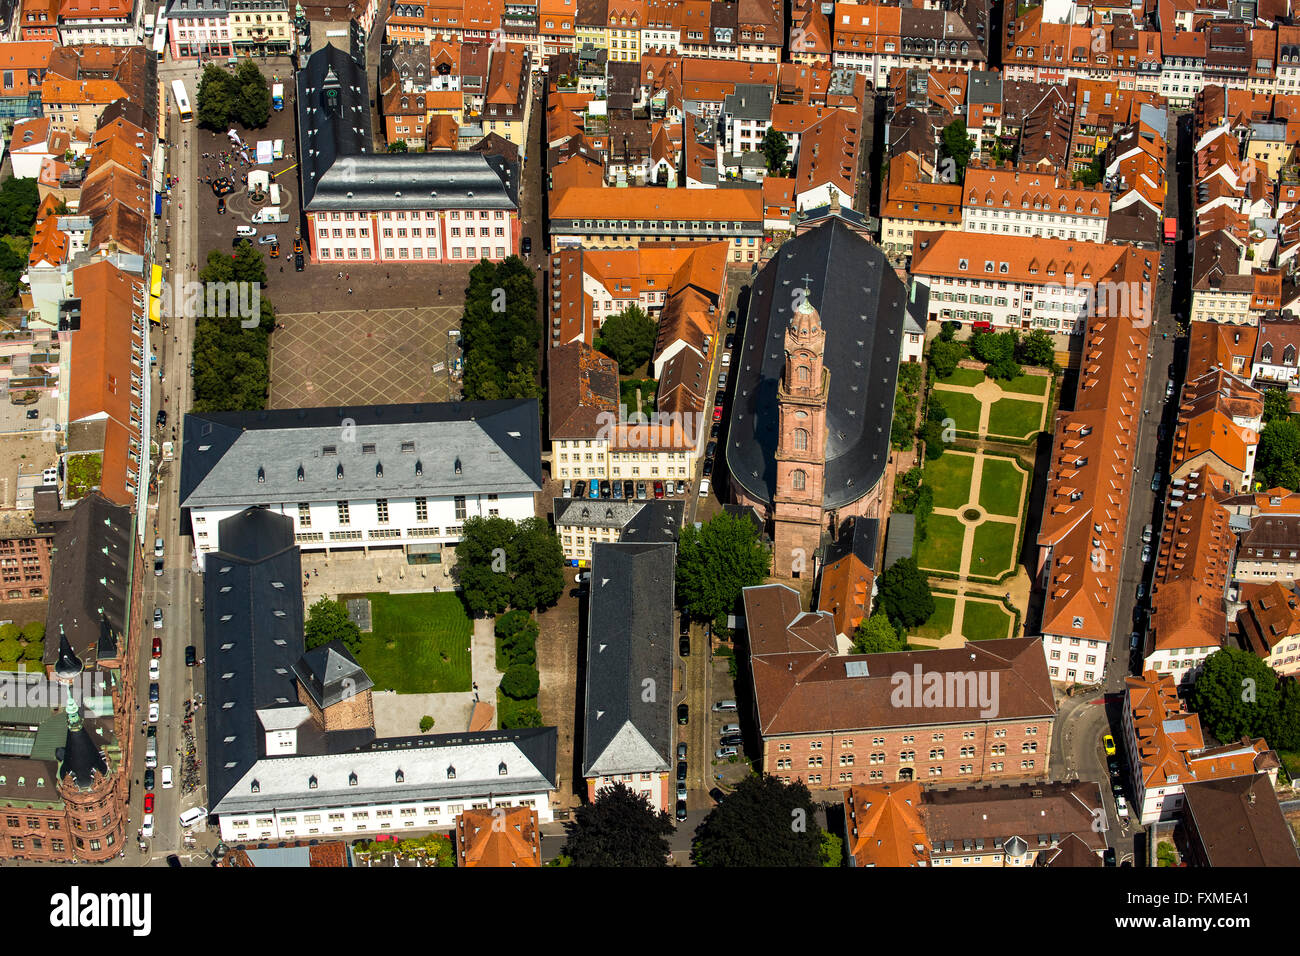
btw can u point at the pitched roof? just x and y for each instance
(507, 836)
(1239, 822)
(582, 386)
(885, 826)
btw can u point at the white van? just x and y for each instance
(246, 232)
(193, 816)
(151, 753)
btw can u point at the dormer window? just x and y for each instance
(311, 782)
(352, 780)
(419, 468)
(300, 473)
(457, 466)
(451, 773)
(963, 264)
(501, 768)
(261, 476)
(256, 787)
(339, 472)
(379, 469)
(399, 777)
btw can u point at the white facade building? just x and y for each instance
(375, 476)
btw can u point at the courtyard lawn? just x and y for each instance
(985, 621)
(1015, 419)
(1026, 384)
(964, 408)
(995, 542)
(1001, 486)
(941, 549)
(940, 622)
(969, 377)
(949, 476)
(431, 636)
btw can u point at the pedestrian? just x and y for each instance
(349, 291)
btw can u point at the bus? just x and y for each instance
(160, 41)
(155, 295)
(182, 100)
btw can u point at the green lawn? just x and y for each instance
(423, 628)
(964, 376)
(941, 549)
(985, 621)
(964, 408)
(940, 622)
(1015, 419)
(949, 476)
(1026, 384)
(1001, 487)
(995, 542)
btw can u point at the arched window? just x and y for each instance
(801, 439)
(1288, 356)
(801, 374)
(799, 479)
(1266, 353)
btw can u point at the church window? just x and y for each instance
(801, 439)
(801, 374)
(798, 480)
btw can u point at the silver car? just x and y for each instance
(1146, 554)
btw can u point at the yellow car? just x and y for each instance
(1109, 743)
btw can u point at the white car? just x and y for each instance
(1121, 807)
(167, 777)
(154, 670)
(704, 487)
(157, 617)
(153, 713)
(146, 826)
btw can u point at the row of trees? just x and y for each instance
(501, 564)
(1277, 460)
(906, 401)
(516, 637)
(19, 200)
(500, 332)
(763, 822)
(243, 96)
(1003, 352)
(231, 368)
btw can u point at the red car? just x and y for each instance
(717, 413)
(148, 803)
(659, 489)
(157, 647)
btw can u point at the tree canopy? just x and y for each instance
(327, 620)
(763, 822)
(957, 146)
(904, 594)
(876, 635)
(998, 349)
(1277, 460)
(231, 372)
(500, 332)
(776, 150)
(628, 338)
(501, 563)
(1237, 695)
(716, 562)
(619, 829)
(223, 97)
(1037, 348)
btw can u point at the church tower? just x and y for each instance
(801, 442)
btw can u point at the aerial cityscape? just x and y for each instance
(595, 418)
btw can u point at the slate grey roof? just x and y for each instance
(750, 101)
(628, 701)
(89, 570)
(496, 444)
(339, 172)
(858, 536)
(253, 634)
(900, 537)
(862, 303)
(331, 674)
(643, 521)
(283, 783)
(984, 86)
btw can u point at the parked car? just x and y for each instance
(731, 740)
(245, 232)
(221, 206)
(604, 489)
(153, 693)
(724, 753)
(268, 240)
(1121, 808)
(1157, 481)
(1108, 856)
(717, 413)
(730, 341)
(659, 489)
(669, 489)
(593, 489)
(167, 777)
(275, 250)
(157, 618)
(526, 245)
(681, 771)
(724, 705)
(681, 751)
(148, 803)
(154, 669)
(157, 647)
(1133, 641)
(1112, 767)
(33, 413)
(581, 578)
(707, 470)
(158, 547)
(640, 491)
(681, 487)
(704, 488)
(1161, 432)
(153, 713)
(158, 567)
(1108, 742)
(148, 779)
(1142, 590)
(726, 362)
(297, 247)
(681, 811)
(722, 381)
(681, 794)
(298, 262)
(1169, 389)
(629, 489)
(146, 826)
(714, 429)
(568, 488)
(1146, 553)
(191, 658)
(710, 449)
(683, 713)
(161, 418)
(731, 319)
(684, 645)
(617, 488)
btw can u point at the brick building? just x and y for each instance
(24, 557)
(982, 712)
